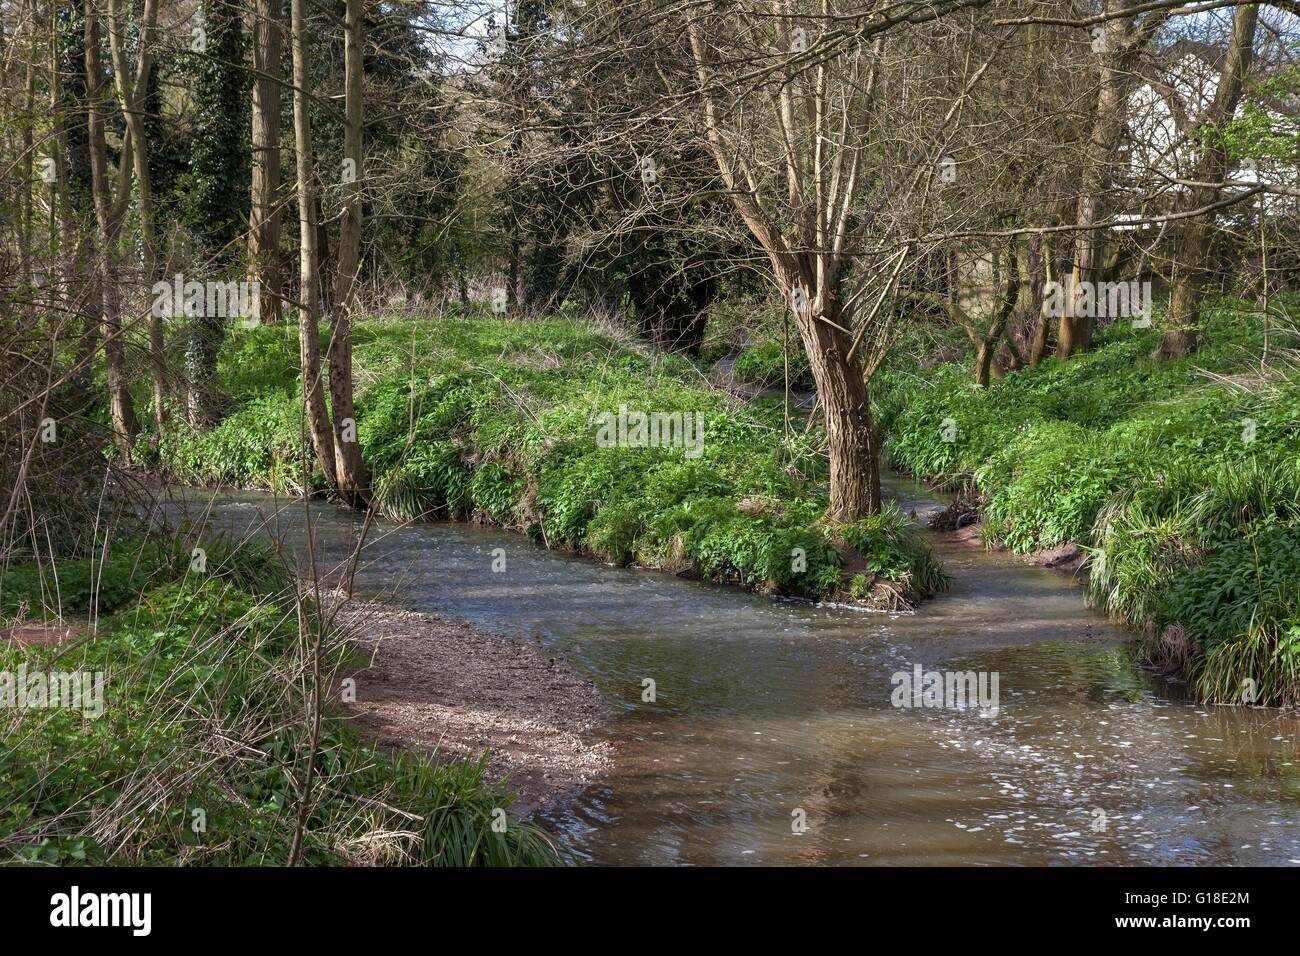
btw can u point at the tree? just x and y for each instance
(131, 88)
(802, 223)
(1118, 41)
(110, 211)
(334, 442)
(1210, 167)
(217, 186)
(350, 474)
(264, 265)
(318, 421)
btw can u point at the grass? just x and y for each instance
(1181, 479)
(198, 757)
(493, 420)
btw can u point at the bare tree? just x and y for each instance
(334, 441)
(349, 471)
(1119, 41)
(131, 89)
(318, 421)
(264, 213)
(1192, 236)
(110, 211)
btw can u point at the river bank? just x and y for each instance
(1179, 483)
(448, 688)
(498, 422)
(205, 742)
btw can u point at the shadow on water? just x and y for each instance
(772, 714)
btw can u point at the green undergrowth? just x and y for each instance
(767, 363)
(198, 753)
(496, 421)
(1180, 479)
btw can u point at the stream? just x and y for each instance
(773, 739)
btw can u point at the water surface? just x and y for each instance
(769, 714)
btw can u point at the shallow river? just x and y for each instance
(773, 738)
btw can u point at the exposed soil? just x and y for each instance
(440, 685)
(1067, 557)
(960, 521)
(37, 632)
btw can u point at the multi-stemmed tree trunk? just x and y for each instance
(264, 213)
(318, 421)
(109, 213)
(131, 92)
(334, 442)
(1193, 235)
(819, 151)
(988, 338)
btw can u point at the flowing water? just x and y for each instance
(773, 737)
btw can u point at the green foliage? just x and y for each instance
(494, 421)
(1260, 130)
(765, 364)
(119, 572)
(1171, 480)
(74, 586)
(261, 445)
(204, 715)
(891, 550)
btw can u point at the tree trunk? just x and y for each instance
(104, 291)
(1115, 80)
(264, 218)
(131, 99)
(513, 303)
(1193, 238)
(1040, 273)
(26, 215)
(349, 468)
(219, 195)
(850, 434)
(984, 356)
(318, 422)
(1181, 335)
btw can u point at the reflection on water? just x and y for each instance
(767, 708)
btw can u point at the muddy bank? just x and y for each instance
(440, 685)
(1067, 558)
(961, 521)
